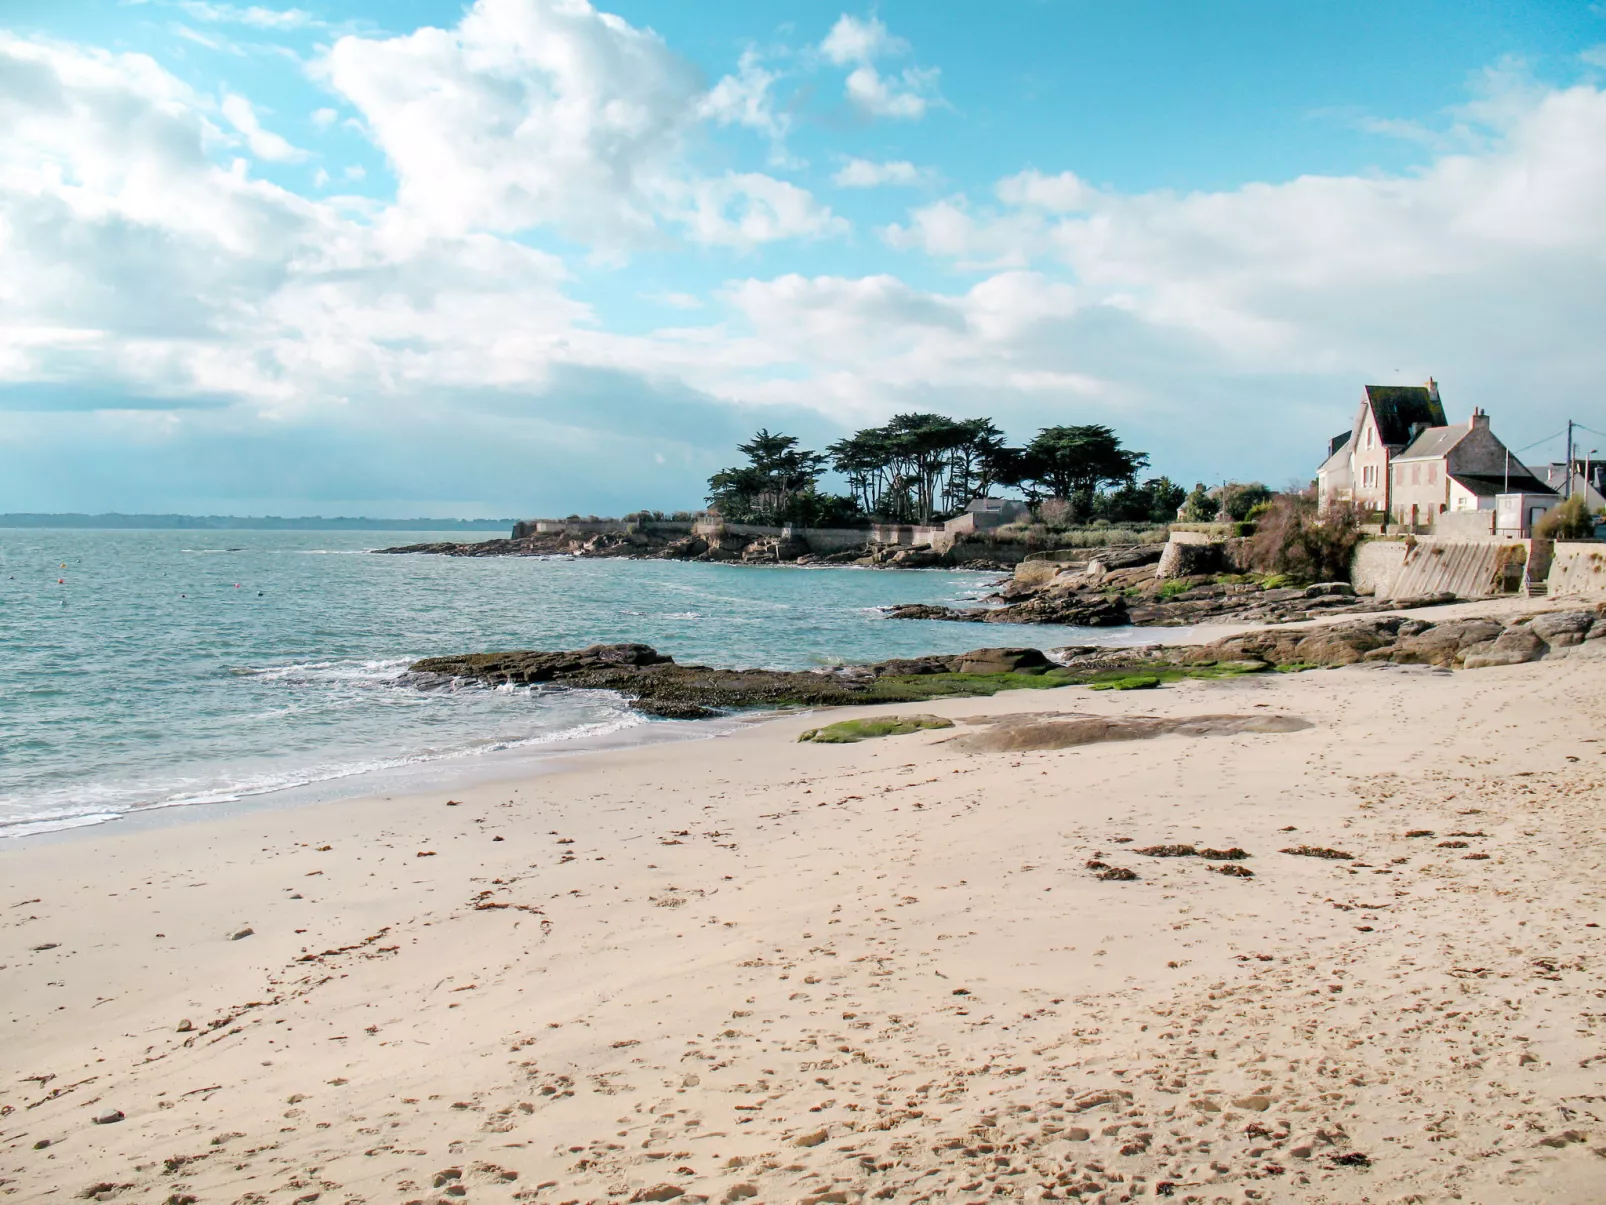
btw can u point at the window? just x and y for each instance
(1416, 474)
(1433, 474)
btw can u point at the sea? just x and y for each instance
(146, 670)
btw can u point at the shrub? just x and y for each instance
(1569, 521)
(1293, 540)
(1239, 500)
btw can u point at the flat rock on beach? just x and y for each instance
(924, 967)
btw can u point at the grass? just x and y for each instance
(847, 732)
(1169, 590)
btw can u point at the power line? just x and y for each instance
(1545, 440)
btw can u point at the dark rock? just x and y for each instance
(240, 934)
(109, 1117)
(1002, 661)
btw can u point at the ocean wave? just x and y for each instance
(136, 800)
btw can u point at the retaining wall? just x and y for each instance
(1465, 568)
(1577, 569)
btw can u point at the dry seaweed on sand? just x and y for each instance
(1118, 874)
(1319, 851)
(1232, 853)
(1241, 872)
(1168, 851)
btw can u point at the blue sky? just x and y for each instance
(534, 256)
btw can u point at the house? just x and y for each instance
(1588, 479)
(1465, 468)
(1357, 465)
(984, 513)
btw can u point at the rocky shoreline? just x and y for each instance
(1124, 587)
(657, 685)
(728, 549)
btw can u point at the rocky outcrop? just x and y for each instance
(658, 685)
(1454, 644)
(1122, 587)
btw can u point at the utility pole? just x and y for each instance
(1569, 492)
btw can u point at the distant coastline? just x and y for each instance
(119, 522)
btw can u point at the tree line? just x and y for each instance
(924, 468)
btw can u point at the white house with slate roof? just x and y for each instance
(1357, 465)
(1465, 468)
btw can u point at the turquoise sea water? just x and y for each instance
(144, 669)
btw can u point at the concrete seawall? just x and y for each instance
(1577, 569)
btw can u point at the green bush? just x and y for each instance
(1569, 521)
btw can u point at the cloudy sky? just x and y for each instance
(531, 256)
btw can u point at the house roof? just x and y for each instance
(1395, 408)
(1488, 485)
(1435, 442)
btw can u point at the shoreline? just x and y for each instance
(857, 972)
(462, 768)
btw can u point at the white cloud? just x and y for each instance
(324, 118)
(354, 171)
(865, 173)
(854, 41)
(746, 99)
(253, 15)
(741, 209)
(1595, 56)
(264, 144)
(906, 94)
(1064, 193)
(550, 113)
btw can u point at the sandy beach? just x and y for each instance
(752, 969)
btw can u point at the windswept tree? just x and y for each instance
(1073, 463)
(772, 486)
(919, 466)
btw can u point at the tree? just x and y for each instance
(1155, 501)
(919, 466)
(766, 488)
(1200, 506)
(1238, 499)
(1073, 462)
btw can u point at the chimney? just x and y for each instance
(1479, 418)
(1433, 389)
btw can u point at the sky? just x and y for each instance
(531, 257)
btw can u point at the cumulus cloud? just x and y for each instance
(747, 99)
(905, 94)
(852, 40)
(1063, 193)
(866, 173)
(537, 113)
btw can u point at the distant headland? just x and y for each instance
(243, 523)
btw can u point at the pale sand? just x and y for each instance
(746, 968)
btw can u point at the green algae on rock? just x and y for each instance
(847, 732)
